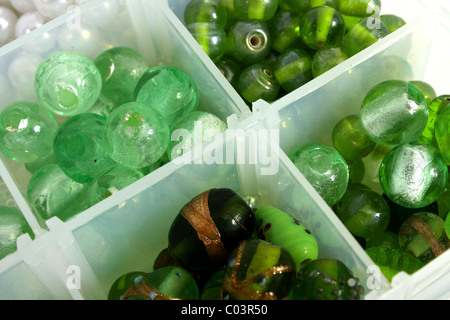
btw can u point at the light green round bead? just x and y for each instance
(262, 10)
(12, 226)
(442, 133)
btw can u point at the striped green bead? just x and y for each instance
(321, 26)
(293, 69)
(327, 58)
(301, 6)
(363, 34)
(258, 82)
(359, 8)
(280, 228)
(211, 37)
(442, 133)
(285, 31)
(230, 70)
(206, 11)
(392, 21)
(262, 10)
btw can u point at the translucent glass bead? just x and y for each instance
(262, 10)
(80, 147)
(394, 112)
(120, 68)
(350, 138)
(386, 239)
(284, 29)
(7, 30)
(428, 91)
(211, 37)
(435, 107)
(302, 6)
(123, 283)
(442, 133)
(212, 11)
(392, 21)
(413, 175)
(53, 194)
(193, 130)
(169, 90)
(364, 34)
(27, 131)
(249, 41)
(257, 81)
(327, 58)
(359, 8)
(137, 136)
(67, 83)
(110, 182)
(230, 69)
(293, 69)
(12, 226)
(324, 168)
(322, 26)
(212, 290)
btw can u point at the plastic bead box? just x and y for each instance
(80, 258)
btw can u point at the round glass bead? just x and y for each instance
(293, 69)
(442, 133)
(27, 131)
(322, 26)
(435, 108)
(136, 135)
(262, 10)
(284, 29)
(67, 83)
(256, 82)
(413, 175)
(169, 90)
(80, 148)
(120, 68)
(394, 112)
(444, 204)
(356, 170)
(423, 235)
(392, 21)
(327, 58)
(9, 20)
(12, 226)
(364, 212)
(350, 138)
(359, 8)
(363, 34)
(258, 270)
(428, 91)
(302, 6)
(387, 239)
(123, 283)
(447, 225)
(230, 69)
(326, 279)
(212, 290)
(193, 130)
(111, 182)
(324, 168)
(211, 37)
(249, 41)
(34, 166)
(212, 11)
(53, 194)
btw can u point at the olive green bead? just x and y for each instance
(359, 8)
(327, 58)
(442, 133)
(364, 34)
(428, 91)
(356, 170)
(386, 239)
(230, 70)
(392, 21)
(435, 107)
(284, 28)
(262, 10)
(211, 37)
(301, 6)
(212, 290)
(293, 69)
(123, 283)
(256, 82)
(206, 11)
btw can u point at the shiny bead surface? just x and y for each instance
(359, 8)
(67, 83)
(52, 8)
(211, 37)
(442, 133)
(363, 34)
(257, 81)
(322, 26)
(327, 58)
(392, 21)
(394, 99)
(413, 175)
(293, 69)
(80, 147)
(7, 29)
(27, 131)
(178, 97)
(284, 29)
(230, 69)
(123, 283)
(212, 11)
(324, 168)
(262, 10)
(435, 107)
(136, 135)
(120, 68)
(12, 226)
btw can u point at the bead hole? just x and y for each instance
(268, 73)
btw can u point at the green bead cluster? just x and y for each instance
(226, 250)
(279, 45)
(98, 126)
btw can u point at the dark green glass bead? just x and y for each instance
(249, 41)
(435, 107)
(212, 290)
(256, 82)
(359, 8)
(230, 69)
(279, 228)
(212, 11)
(168, 283)
(350, 138)
(327, 58)
(428, 91)
(363, 35)
(125, 282)
(12, 226)
(322, 26)
(232, 222)
(262, 10)
(356, 170)
(442, 133)
(443, 204)
(211, 37)
(258, 270)
(231, 15)
(423, 235)
(392, 261)
(447, 225)
(364, 212)
(386, 238)
(293, 69)
(284, 29)
(392, 21)
(302, 6)
(326, 279)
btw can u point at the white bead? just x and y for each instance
(53, 8)
(27, 22)
(8, 21)
(23, 6)
(102, 13)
